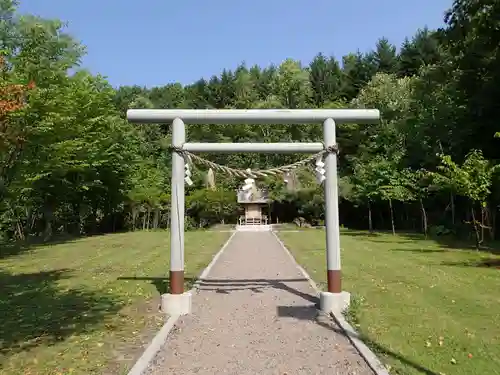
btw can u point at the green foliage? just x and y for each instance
(473, 179)
(70, 163)
(212, 206)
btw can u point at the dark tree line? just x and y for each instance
(70, 163)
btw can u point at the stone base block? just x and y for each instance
(176, 304)
(334, 302)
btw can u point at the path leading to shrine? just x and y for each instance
(255, 314)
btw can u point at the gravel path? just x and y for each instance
(255, 314)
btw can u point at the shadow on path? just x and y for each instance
(256, 285)
(311, 313)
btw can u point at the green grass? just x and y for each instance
(87, 306)
(424, 307)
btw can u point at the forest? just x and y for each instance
(70, 164)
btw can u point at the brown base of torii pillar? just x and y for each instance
(176, 282)
(334, 281)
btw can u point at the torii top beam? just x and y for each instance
(253, 116)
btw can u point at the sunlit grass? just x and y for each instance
(425, 307)
(88, 306)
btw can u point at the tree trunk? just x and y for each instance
(408, 224)
(482, 223)
(148, 217)
(392, 218)
(156, 218)
(382, 219)
(30, 221)
(370, 222)
(19, 230)
(113, 223)
(134, 217)
(424, 217)
(452, 203)
(94, 217)
(476, 229)
(48, 215)
(47, 232)
(493, 223)
(487, 221)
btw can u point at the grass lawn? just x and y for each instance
(425, 307)
(88, 306)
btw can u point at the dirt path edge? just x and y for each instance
(366, 353)
(145, 360)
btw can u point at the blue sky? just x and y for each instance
(155, 42)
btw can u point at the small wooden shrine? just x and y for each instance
(253, 201)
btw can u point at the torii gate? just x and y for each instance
(178, 302)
